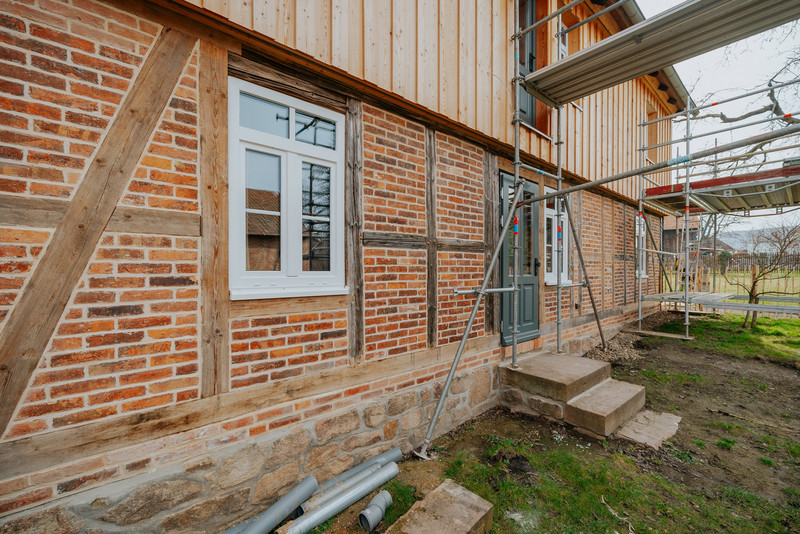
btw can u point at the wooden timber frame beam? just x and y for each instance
(32, 321)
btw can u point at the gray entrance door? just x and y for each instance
(528, 327)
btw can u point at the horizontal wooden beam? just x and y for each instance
(393, 240)
(260, 307)
(47, 213)
(460, 245)
(36, 453)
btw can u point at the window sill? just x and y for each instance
(279, 293)
(554, 283)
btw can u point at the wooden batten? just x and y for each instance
(31, 323)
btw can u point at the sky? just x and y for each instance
(731, 71)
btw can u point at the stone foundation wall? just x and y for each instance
(210, 491)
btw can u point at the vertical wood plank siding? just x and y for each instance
(455, 57)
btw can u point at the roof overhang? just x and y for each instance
(686, 31)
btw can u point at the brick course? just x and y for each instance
(126, 342)
(394, 173)
(459, 189)
(394, 301)
(65, 69)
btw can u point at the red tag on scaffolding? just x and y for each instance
(516, 225)
(559, 233)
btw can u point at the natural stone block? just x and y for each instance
(426, 396)
(449, 509)
(53, 521)
(211, 511)
(480, 386)
(459, 385)
(288, 447)
(243, 465)
(147, 501)
(390, 430)
(412, 419)
(272, 484)
(512, 397)
(548, 407)
(402, 403)
(364, 439)
(333, 468)
(320, 455)
(337, 426)
(374, 415)
(200, 465)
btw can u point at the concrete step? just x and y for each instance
(449, 509)
(556, 376)
(602, 409)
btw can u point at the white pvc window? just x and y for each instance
(551, 236)
(286, 195)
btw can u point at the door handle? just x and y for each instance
(536, 264)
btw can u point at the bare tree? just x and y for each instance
(770, 246)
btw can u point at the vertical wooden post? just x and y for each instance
(353, 215)
(215, 299)
(491, 221)
(432, 285)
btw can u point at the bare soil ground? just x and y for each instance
(740, 424)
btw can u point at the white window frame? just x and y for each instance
(290, 280)
(551, 278)
(640, 231)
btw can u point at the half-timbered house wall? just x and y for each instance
(136, 394)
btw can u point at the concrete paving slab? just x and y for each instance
(605, 407)
(650, 428)
(556, 376)
(449, 509)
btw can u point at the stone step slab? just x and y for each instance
(602, 409)
(555, 376)
(449, 509)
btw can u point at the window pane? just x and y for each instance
(316, 190)
(263, 116)
(527, 237)
(263, 193)
(314, 130)
(263, 242)
(262, 181)
(316, 245)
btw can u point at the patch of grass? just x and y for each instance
(766, 461)
(724, 425)
(776, 340)
(665, 377)
(726, 443)
(324, 526)
(792, 496)
(563, 492)
(699, 443)
(403, 497)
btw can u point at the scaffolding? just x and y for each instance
(537, 84)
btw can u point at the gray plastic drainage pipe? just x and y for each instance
(374, 512)
(320, 499)
(271, 518)
(392, 455)
(306, 522)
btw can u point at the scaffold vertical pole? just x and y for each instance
(686, 191)
(559, 232)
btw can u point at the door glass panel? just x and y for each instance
(263, 211)
(263, 115)
(548, 246)
(527, 236)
